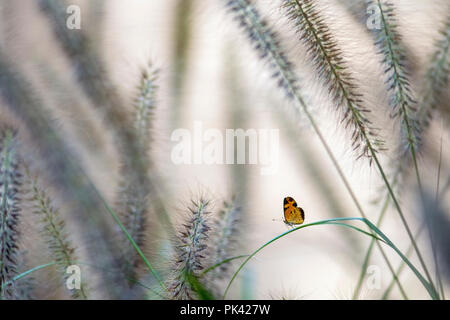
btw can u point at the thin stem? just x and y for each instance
(369, 252)
(44, 266)
(402, 291)
(404, 101)
(380, 236)
(124, 230)
(272, 52)
(133, 243)
(436, 262)
(275, 239)
(401, 266)
(24, 274)
(364, 133)
(438, 180)
(346, 183)
(221, 263)
(399, 210)
(342, 85)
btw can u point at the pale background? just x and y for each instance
(314, 263)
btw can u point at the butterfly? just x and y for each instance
(292, 213)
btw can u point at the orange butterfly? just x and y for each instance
(292, 213)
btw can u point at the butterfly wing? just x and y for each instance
(287, 208)
(299, 216)
(292, 213)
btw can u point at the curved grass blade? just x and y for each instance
(401, 267)
(43, 266)
(265, 42)
(124, 230)
(134, 244)
(24, 274)
(329, 221)
(430, 288)
(130, 279)
(221, 263)
(369, 253)
(357, 229)
(385, 239)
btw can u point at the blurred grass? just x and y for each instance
(47, 147)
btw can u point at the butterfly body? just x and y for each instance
(293, 214)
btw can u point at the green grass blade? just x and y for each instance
(134, 244)
(430, 288)
(124, 230)
(436, 263)
(369, 251)
(339, 221)
(26, 273)
(132, 280)
(43, 266)
(221, 263)
(357, 229)
(278, 237)
(401, 266)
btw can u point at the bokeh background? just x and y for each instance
(208, 72)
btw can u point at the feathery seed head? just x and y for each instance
(10, 181)
(54, 231)
(394, 60)
(145, 105)
(226, 236)
(135, 185)
(190, 249)
(330, 65)
(266, 43)
(437, 77)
